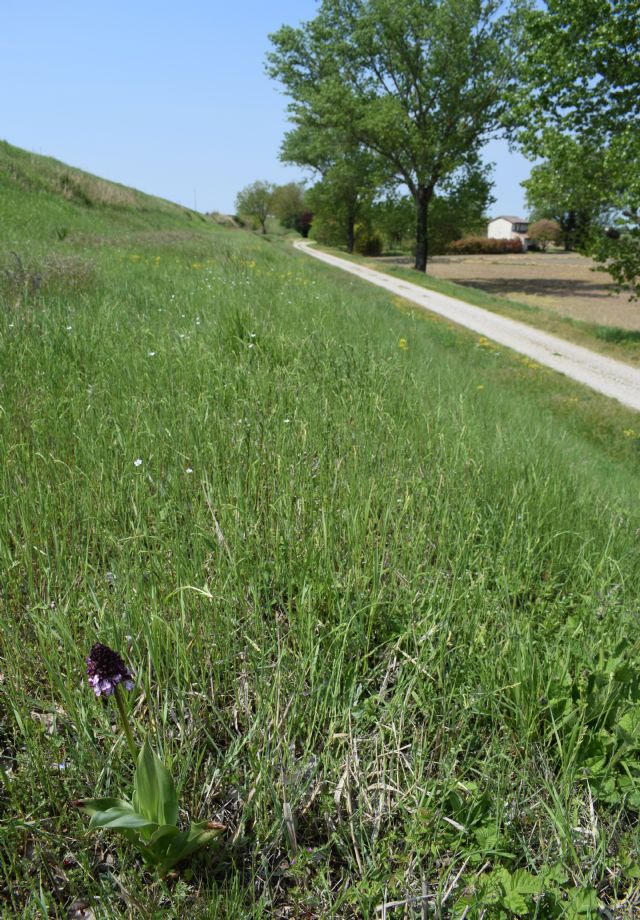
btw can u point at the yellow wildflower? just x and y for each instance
(404, 345)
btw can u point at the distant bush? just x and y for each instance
(482, 245)
(368, 242)
(303, 223)
(544, 231)
(223, 220)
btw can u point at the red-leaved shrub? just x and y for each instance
(482, 245)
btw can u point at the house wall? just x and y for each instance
(501, 229)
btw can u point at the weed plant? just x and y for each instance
(381, 600)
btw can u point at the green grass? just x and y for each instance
(396, 589)
(623, 344)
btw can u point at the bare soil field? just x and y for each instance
(561, 282)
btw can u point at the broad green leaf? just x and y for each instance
(119, 817)
(154, 790)
(92, 806)
(515, 902)
(629, 724)
(163, 835)
(525, 883)
(187, 842)
(555, 873)
(583, 902)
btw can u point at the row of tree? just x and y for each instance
(262, 200)
(398, 97)
(358, 217)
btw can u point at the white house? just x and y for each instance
(509, 228)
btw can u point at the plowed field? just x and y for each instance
(564, 283)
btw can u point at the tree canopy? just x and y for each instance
(570, 187)
(289, 204)
(580, 88)
(256, 201)
(349, 175)
(416, 83)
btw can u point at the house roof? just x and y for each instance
(514, 220)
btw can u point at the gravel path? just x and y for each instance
(605, 375)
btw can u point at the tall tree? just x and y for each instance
(580, 83)
(394, 217)
(570, 187)
(418, 83)
(290, 207)
(256, 201)
(460, 208)
(350, 175)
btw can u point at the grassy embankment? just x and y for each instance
(394, 587)
(613, 341)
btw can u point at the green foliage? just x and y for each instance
(418, 84)
(368, 242)
(24, 280)
(461, 208)
(569, 187)
(505, 894)
(348, 580)
(341, 199)
(458, 211)
(349, 179)
(482, 245)
(290, 207)
(256, 202)
(394, 216)
(579, 70)
(150, 821)
(580, 85)
(594, 719)
(154, 793)
(545, 231)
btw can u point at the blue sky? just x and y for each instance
(168, 97)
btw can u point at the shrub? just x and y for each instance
(545, 232)
(368, 242)
(482, 245)
(303, 223)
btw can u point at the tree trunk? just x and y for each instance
(351, 232)
(422, 199)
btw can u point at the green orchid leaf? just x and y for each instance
(120, 817)
(162, 836)
(187, 842)
(154, 791)
(92, 806)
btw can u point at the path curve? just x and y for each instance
(605, 375)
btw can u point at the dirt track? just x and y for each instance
(606, 376)
(562, 282)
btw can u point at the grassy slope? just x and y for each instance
(395, 588)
